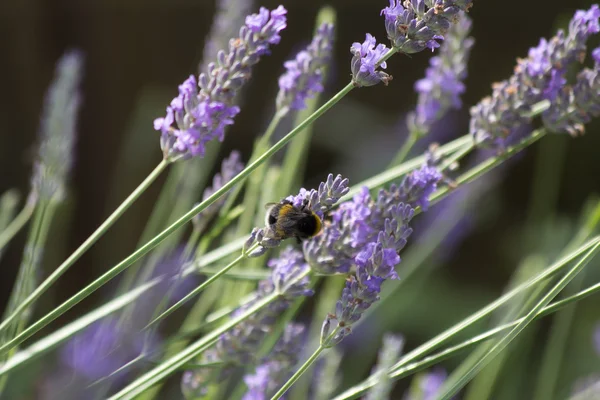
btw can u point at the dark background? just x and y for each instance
(137, 52)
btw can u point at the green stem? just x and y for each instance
(396, 172)
(29, 271)
(132, 258)
(550, 366)
(171, 365)
(54, 339)
(405, 149)
(488, 165)
(18, 223)
(299, 373)
(58, 272)
(197, 290)
(261, 146)
(502, 343)
(449, 352)
(451, 332)
(191, 244)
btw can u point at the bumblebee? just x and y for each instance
(286, 220)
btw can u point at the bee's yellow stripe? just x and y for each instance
(286, 208)
(319, 224)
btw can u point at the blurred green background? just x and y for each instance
(137, 52)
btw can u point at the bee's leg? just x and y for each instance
(304, 204)
(298, 240)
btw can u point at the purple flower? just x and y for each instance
(413, 27)
(574, 106)
(420, 184)
(364, 64)
(388, 354)
(304, 75)
(202, 115)
(443, 85)
(103, 348)
(239, 345)
(58, 129)
(426, 386)
(277, 367)
(230, 167)
(359, 222)
(540, 76)
(596, 339)
(319, 201)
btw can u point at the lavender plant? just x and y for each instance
(541, 76)
(57, 135)
(364, 227)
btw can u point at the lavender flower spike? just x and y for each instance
(277, 367)
(304, 76)
(230, 167)
(319, 201)
(415, 25)
(426, 386)
(239, 346)
(388, 354)
(58, 129)
(365, 61)
(540, 76)
(574, 106)
(443, 85)
(202, 115)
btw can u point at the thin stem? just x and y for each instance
(488, 165)
(18, 223)
(396, 172)
(502, 343)
(253, 189)
(196, 291)
(314, 356)
(132, 258)
(189, 353)
(261, 145)
(54, 339)
(449, 333)
(433, 359)
(191, 244)
(407, 146)
(58, 272)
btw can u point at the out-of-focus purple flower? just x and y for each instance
(388, 354)
(304, 75)
(364, 64)
(596, 339)
(327, 375)
(426, 386)
(239, 345)
(230, 167)
(415, 25)
(229, 16)
(442, 86)
(540, 76)
(57, 132)
(319, 201)
(277, 367)
(103, 348)
(202, 115)
(575, 105)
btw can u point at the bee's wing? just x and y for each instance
(269, 205)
